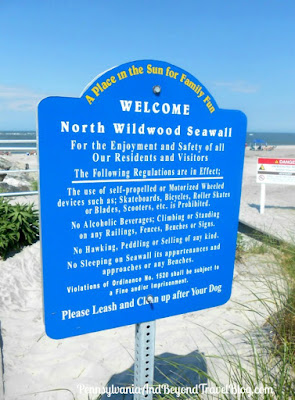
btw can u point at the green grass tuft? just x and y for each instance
(19, 226)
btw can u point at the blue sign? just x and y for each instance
(140, 183)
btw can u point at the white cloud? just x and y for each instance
(19, 98)
(238, 86)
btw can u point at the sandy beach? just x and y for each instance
(34, 364)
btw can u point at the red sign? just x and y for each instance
(280, 161)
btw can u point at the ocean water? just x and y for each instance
(17, 135)
(270, 138)
(274, 139)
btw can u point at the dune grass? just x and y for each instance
(284, 320)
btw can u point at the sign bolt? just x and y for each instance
(150, 299)
(157, 90)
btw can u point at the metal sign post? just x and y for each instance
(2, 387)
(262, 198)
(144, 360)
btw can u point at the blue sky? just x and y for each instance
(243, 51)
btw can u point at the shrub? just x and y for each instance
(19, 226)
(34, 185)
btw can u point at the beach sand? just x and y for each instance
(35, 363)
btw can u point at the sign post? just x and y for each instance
(138, 201)
(262, 198)
(144, 359)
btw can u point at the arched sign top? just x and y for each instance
(155, 73)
